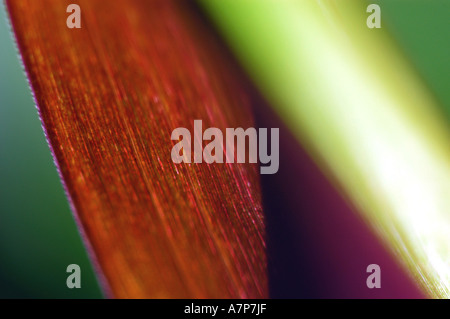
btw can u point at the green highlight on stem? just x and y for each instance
(361, 111)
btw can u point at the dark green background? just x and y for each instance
(422, 30)
(38, 237)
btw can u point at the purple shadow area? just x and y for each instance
(318, 246)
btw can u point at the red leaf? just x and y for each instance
(109, 96)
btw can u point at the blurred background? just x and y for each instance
(38, 236)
